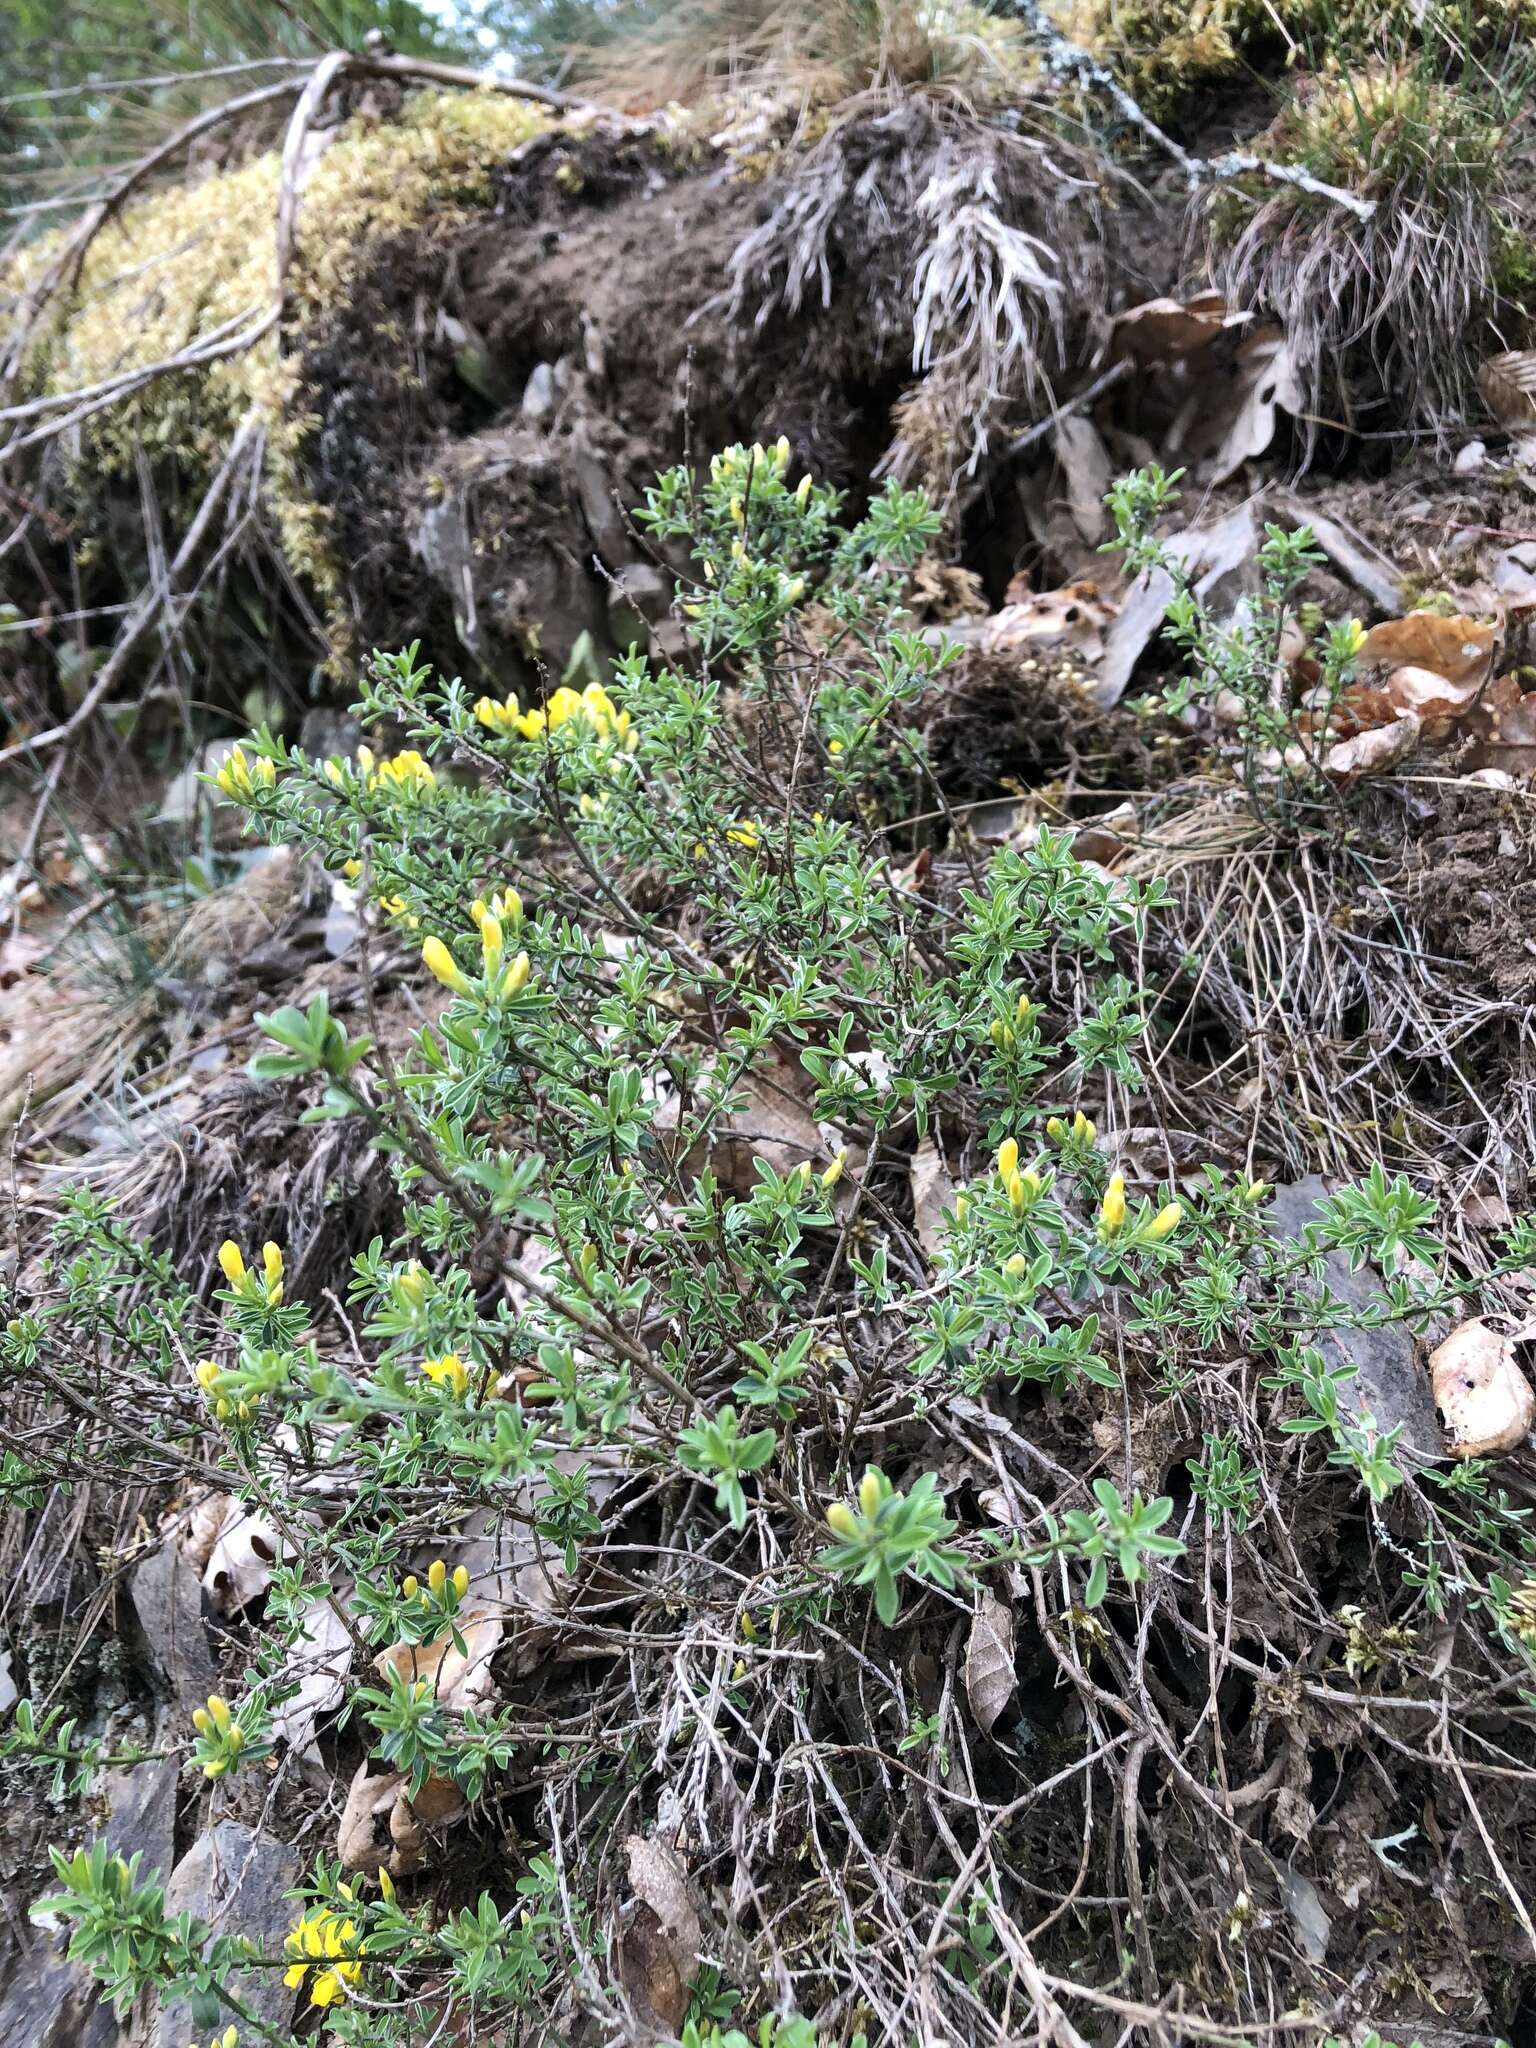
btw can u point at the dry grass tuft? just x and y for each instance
(1388, 317)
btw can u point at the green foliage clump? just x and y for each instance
(653, 912)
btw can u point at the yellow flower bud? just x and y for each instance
(222, 1409)
(215, 1767)
(202, 1720)
(1018, 1194)
(1002, 1034)
(870, 1493)
(512, 903)
(410, 1586)
(413, 1283)
(962, 1207)
(439, 961)
(802, 490)
(1022, 1009)
(739, 1670)
(461, 1580)
(781, 452)
(515, 980)
(1016, 1265)
(1008, 1158)
(1165, 1221)
(1256, 1190)
(738, 511)
(1113, 1213)
(437, 1575)
(386, 1883)
(231, 1262)
(272, 1272)
(841, 1520)
(1055, 1129)
(1083, 1129)
(218, 1712)
(490, 944)
(834, 1172)
(235, 1737)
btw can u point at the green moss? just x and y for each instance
(193, 257)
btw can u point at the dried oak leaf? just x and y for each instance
(1502, 727)
(1484, 1398)
(1048, 621)
(658, 1954)
(363, 1840)
(990, 1678)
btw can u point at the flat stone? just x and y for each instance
(236, 1879)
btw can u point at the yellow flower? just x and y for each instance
(1256, 1190)
(323, 1937)
(1022, 1009)
(231, 1263)
(1008, 1159)
(515, 980)
(272, 1273)
(439, 961)
(461, 1579)
(1055, 1129)
(1016, 1265)
(1356, 636)
(834, 748)
(238, 778)
(803, 490)
(437, 1575)
(834, 1172)
(1083, 1129)
(746, 832)
(962, 1206)
(531, 724)
(1113, 1213)
(870, 1493)
(410, 1586)
(407, 772)
(490, 944)
(206, 1373)
(218, 1712)
(1018, 1194)
(841, 1519)
(1166, 1220)
(386, 1883)
(413, 1283)
(448, 1371)
(563, 705)
(350, 870)
(499, 718)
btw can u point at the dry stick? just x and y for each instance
(1072, 60)
(73, 251)
(144, 613)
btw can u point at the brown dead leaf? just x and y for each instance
(239, 1568)
(990, 1678)
(1168, 330)
(1106, 839)
(1237, 420)
(942, 591)
(658, 1955)
(460, 1678)
(196, 1527)
(932, 1193)
(1073, 617)
(1508, 385)
(1502, 728)
(1484, 1398)
(1370, 752)
(362, 1839)
(1458, 648)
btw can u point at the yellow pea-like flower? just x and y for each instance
(515, 980)
(437, 1575)
(841, 1519)
(1112, 1214)
(218, 1712)
(232, 1262)
(490, 945)
(1165, 1221)
(206, 1373)
(461, 1579)
(440, 962)
(1008, 1158)
(835, 1171)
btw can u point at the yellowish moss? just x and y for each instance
(191, 258)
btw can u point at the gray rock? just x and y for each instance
(236, 1879)
(1389, 1380)
(49, 2003)
(168, 1599)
